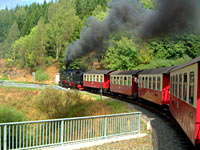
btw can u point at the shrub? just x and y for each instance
(5, 77)
(8, 114)
(60, 104)
(57, 104)
(40, 75)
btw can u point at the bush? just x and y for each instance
(40, 75)
(5, 77)
(8, 114)
(58, 104)
(61, 104)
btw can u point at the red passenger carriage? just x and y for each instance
(97, 79)
(124, 82)
(154, 85)
(185, 98)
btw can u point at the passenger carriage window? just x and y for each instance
(191, 88)
(185, 87)
(139, 84)
(154, 83)
(149, 82)
(118, 82)
(97, 78)
(114, 80)
(143, 82)
(84, 78)
(129, 81)
(121, 81)
(93, 78)
(180, 86)
(101, 78)
(146, 82)
(90, 77)
(176, 85)
(158, 83)
(125, 81)
(173, 85)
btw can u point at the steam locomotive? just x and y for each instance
(178, 87)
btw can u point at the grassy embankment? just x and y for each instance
(19, 104)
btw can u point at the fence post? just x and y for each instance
(61, 134)
(105, 131)
(5, 137)
(139, 122)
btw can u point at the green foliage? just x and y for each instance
(156, 63)
(149, 4)
(40, 75)
(100, 12)
(117, 106)
(5, 77)
(60, 104)
(37, 35)
(123, 55)
(85, 8)
(8, 114)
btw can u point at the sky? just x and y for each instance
(13, 3)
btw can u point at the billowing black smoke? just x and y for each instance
(170, 16)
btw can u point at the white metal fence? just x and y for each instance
(35, 134)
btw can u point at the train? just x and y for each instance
(178, 87)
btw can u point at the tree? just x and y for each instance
(62, 26)
(123, 55)
(13, 35)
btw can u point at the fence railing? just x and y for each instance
(35, 134)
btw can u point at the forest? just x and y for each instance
(38, 35)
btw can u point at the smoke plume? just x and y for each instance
(170, 16)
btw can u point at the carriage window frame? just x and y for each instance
(118, 81)
(176, 85)
(154, 83)
(85, 77)
(158, 83)
(97, 78)
(90, 77)
(173, 85)
(121, 80)
(139, 82)
(129, 81)
(143, 82)
(101, 78)
(185, 87)
(146, 82)
(191, 87)
(150, 86)
(93, 78)
(180, 86)
(125, 80)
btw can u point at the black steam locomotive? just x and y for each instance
(72, 78)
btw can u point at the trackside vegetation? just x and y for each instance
(22, 104)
